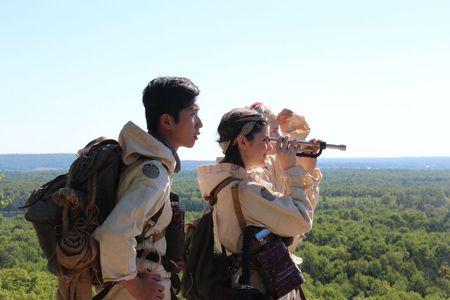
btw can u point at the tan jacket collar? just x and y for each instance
(137, 143)
(209, 176)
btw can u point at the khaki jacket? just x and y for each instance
(272, 172)
(144, 188)
(273, 175)
(288, 214)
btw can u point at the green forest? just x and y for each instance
(377, 234)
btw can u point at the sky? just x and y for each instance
(374, 75)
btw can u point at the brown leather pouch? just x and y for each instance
(285, 276)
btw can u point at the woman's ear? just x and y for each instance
(241, 141)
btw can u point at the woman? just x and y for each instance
(245, 141)
(293, 126)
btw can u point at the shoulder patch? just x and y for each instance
(150, 170)
(266, 194)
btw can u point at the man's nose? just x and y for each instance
(199, 123)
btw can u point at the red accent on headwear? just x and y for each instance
(256, 105)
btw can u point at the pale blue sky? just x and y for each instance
(374, 75)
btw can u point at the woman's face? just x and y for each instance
(254, 155)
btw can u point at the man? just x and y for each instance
(132, 237)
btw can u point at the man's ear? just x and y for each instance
(166, 121)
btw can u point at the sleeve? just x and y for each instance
(297, 177)
(298, 127)
(286, 215)
(284, 181)
(116, 235)
(311, 181)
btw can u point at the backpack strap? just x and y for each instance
(102, 294)
(237, 207)
(153, 220)
(302, 293)
(212, 197)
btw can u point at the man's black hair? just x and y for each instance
(167, 95)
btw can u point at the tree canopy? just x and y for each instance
(377, 234)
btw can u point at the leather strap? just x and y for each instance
(302, 294)
(237, 207)
(157, 236)
(153, 220)
(100, 295)
(212, 198)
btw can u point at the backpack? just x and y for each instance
(205, 271)
(66, 210)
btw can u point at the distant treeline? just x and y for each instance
(409, 188)
(58, 161)
(35, 162)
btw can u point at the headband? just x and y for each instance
(246, 129)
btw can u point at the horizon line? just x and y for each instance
(335, 157)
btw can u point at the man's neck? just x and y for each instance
(165, 141)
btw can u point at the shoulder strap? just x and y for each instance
(153, 220)
(212, 198)
(302, 293)
(237, 207)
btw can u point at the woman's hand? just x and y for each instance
(309, 163)
(285, 151)
(283, 120)
(292, 123)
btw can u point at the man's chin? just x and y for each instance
(189, 145)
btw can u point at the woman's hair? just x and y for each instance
(265, 111)
(238, 121)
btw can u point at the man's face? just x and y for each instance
(187, 129)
